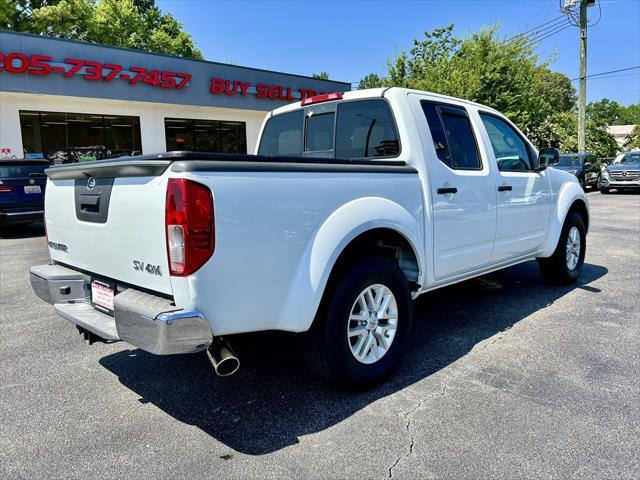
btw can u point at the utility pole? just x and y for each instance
(582, 94)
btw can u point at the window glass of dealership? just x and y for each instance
(71, 101)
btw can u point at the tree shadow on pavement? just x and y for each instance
(273, 399)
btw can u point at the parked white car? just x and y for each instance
(355, 204)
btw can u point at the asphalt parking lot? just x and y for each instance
(506, 377)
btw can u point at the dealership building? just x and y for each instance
(68, 101)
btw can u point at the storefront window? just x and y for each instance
(72, 137)
(122, 134)
(205, 135)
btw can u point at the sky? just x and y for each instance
(349, 39)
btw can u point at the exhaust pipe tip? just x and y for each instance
(222, 357)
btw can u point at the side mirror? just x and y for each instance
(546, 157)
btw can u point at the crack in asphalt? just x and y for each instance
(407, 416)
(443, 391)
(408, 427)
(499, 336)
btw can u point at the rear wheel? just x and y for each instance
(361, 329)
(566, 263)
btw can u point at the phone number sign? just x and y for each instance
(17, 63)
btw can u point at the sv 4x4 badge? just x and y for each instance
(147, 267)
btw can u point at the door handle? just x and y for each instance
(505, 188)
(445, 190)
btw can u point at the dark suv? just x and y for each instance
(22, 183)
(585, 166)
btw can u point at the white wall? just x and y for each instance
(151, 115)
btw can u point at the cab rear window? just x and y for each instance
(22, 171)
(366, 130)
(319, 136)
(356, 130)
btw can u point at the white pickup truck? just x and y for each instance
(355, 204)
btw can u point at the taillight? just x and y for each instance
(189, 226)
(6, 188)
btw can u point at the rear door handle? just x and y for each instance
(445, 190)
(505, 188)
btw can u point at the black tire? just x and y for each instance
(555, 269)
(328, 350)
(582, 184)
(604, 191)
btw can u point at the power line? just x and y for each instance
(605, 73)
(618, 75)
(535, 29)
(547, 35)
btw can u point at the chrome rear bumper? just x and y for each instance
(144, 320)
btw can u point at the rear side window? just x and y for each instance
(452, 136)
(366, 129)
(283, 135)
(319, 132)
(22, 171)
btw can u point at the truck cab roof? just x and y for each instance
(382, 92)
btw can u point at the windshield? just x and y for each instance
(21, 171)
(627, 158)
(569, 161)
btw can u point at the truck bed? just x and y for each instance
(269, 220)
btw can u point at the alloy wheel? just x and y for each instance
(573, 248)
(372, 323)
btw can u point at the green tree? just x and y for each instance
(7, 14)
(507, 76)
(321, 75)
(15, 14)
(611, 112)
(630, 115)
(634, 140)
(123, 23)
(557, 90)
(560, 130)
(65, 19)
(605, 111)
(370, 81)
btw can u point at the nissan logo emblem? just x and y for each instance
(91, 183)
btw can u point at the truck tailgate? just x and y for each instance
(112, 227)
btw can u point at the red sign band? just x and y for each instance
(17, 63)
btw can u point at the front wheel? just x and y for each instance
(582, 183)
(567, 261)
(362, 326)
(598, 182)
